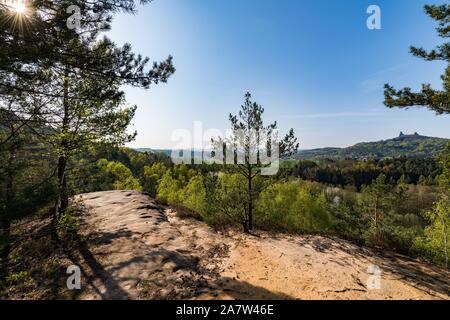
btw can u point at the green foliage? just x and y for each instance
(165, 183)
(183, 173)
(69, 83)
(382, 214)
(181, 187)
(380, 205)
(169, 189)
(444, 179)
(17, 278)
(123, 177)
(293, 207)
(374, 203)
(193, 195)
(397, 232)
(152, 174)
(68, 224)
(228, 199)
(102, 175)
(246, 142)
(434, 244)
(358, 173)
(348, 223)
(136, 161)
(87, 176)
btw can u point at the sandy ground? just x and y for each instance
(137, 250)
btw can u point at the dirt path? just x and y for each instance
(137, 250)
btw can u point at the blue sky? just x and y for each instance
(312, 64)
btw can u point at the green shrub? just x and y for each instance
(123, 177)
(168, 191)
(434, 244)
(68, 225)
(151, 176)
(398, 231)
(293, 207)
(348, 223)
(228, 200)
(21, 278)
(193, 196)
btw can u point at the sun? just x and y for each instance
(18, 17)
(19, 7)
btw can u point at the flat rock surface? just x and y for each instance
(136, 249)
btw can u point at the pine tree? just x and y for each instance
(72, 82)
(25, 179)
(44, 41)
(436, 100)
(246, 147)
(375, 202)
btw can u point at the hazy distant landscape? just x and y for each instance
(413, 145)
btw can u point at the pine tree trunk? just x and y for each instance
(62, 161)
(250, 200)
(6, 231)
(376, 214)
(245, 226)
(62, 200)
(445, 244)
(64, 196)
(5, 219)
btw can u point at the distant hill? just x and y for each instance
(165, 151)
(196, 154)
(413, 145)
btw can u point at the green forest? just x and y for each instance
(64, 124)
(389, 204)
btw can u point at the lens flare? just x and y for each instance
(18, 16)
(19, 8)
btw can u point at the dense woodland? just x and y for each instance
(63, 125)
(386, 212)
(357, 173)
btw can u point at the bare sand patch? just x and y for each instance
(136, 249)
